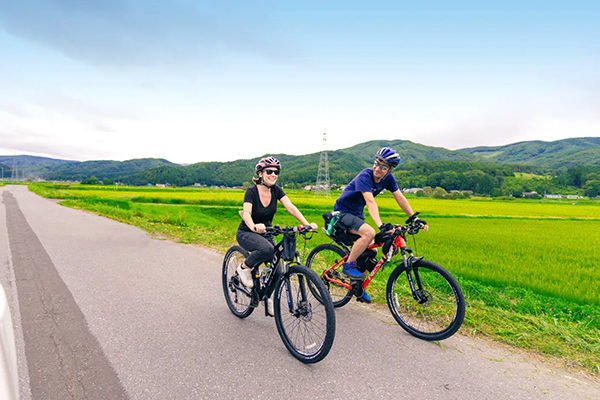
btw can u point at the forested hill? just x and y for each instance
(558, 154)
(539, 157)
(30, 161)
(301, 170)
(33, 167)
(105, 169)
(409, 152)
(345, 163)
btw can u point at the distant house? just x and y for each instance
(161, 185)
(411, 190)
(552, 196)
(529, 194)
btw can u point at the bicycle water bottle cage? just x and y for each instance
(334, 231)
(330, 218)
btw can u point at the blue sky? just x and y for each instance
(195, 81)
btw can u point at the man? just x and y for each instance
(361, 192)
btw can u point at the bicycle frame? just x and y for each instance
(399, 243)
(263, 284)
(307, 325)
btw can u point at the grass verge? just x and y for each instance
(553, 328)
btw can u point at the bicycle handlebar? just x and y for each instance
(411, 229)
(413, 217)
(278, 230)
(399, 230)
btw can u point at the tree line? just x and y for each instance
(481, 178)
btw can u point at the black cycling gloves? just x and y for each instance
(386, 227)
(419, 221)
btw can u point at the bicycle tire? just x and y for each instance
(237, 301)
(321, 258)
(441, 310)
(305, 323)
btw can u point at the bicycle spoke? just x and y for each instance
(238, 301)
(436, 308)
(306, 325)
(321, 259)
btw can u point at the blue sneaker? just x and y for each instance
(350, 271)
(365, 297)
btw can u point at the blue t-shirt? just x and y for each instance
(352, 200)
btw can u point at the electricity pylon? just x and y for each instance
(322, 186)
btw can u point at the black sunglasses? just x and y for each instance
(382, 166)
(272, 171)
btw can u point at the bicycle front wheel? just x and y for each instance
(322, 258)
(305, 323)
(236, 297)
(436, 309)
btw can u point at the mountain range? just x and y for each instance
(343, 163)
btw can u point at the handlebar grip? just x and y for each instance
(413, 217)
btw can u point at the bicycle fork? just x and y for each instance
(409, 261)
(299, 309)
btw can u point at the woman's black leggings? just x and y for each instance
(261, 249)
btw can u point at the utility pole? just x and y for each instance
(322, 186)
(14, 169)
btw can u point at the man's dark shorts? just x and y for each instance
(348, 221)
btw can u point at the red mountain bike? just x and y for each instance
(424, 298)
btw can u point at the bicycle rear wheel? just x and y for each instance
(305, 323)
(235, 296)
(320, 259)
(436, 310)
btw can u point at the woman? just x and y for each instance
(260, 205)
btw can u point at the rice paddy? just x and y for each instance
(532, 259)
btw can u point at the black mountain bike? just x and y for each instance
(303, 310)
(424, 298)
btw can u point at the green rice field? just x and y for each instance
(529, 268)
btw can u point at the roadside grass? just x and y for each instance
(530, 283)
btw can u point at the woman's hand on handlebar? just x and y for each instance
(313, 226)
(260, 228)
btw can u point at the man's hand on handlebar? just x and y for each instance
(387, 227)
(419, 221)
(414, 219)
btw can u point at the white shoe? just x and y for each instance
(245, 276)
(270, 307)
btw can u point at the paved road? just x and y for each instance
(102, 311)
